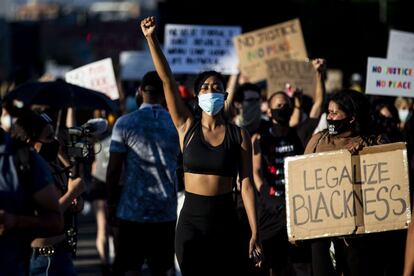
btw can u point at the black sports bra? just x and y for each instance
(202, 158)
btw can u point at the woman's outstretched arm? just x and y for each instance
(180, 114)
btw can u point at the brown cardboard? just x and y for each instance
(299, 74)
(335, 194)
(282, 41)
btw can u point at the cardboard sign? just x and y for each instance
(390, 78)
(98, 76)
(334, 193)
(401, 46)
(195, 48)
(135, 64)
(299, 74)
(282, 41)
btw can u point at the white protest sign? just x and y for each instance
(390, 77)
(401, 46)
(195, 48)
(98, 76)
(135, 64)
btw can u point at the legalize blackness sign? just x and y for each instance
(334, 193)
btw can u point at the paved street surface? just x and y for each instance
(87, 259)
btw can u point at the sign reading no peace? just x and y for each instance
(390, 77)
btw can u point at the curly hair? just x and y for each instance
(355, 104)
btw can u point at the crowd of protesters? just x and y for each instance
(224, 146)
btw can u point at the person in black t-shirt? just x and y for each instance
(270, 148)
(269, 151)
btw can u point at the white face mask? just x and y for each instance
(403, 114)
(6, 122)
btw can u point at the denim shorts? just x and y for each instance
(59, 264)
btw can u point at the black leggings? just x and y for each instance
(206, 236)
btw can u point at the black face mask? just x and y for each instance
(282, 115)
(49, 151)
(338, 126)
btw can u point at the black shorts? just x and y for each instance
(98, 190)
(150, 242)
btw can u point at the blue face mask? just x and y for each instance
(211, 103)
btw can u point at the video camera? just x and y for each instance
(82, 138)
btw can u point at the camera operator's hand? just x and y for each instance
(7, 222)
(76, 186)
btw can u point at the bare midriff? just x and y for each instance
(207, 185)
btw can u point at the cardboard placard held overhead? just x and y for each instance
(195, 48)
(336, 193)
(299, 74)
(401, 46)
(390, 77)
(98, 76)
(282, 41)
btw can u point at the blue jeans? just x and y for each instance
(60, 264)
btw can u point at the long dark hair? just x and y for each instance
(355, 104)
(198, 82)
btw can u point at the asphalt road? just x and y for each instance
(87, 260)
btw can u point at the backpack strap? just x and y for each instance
(190, 133)
(20, 153)
(235, 133)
